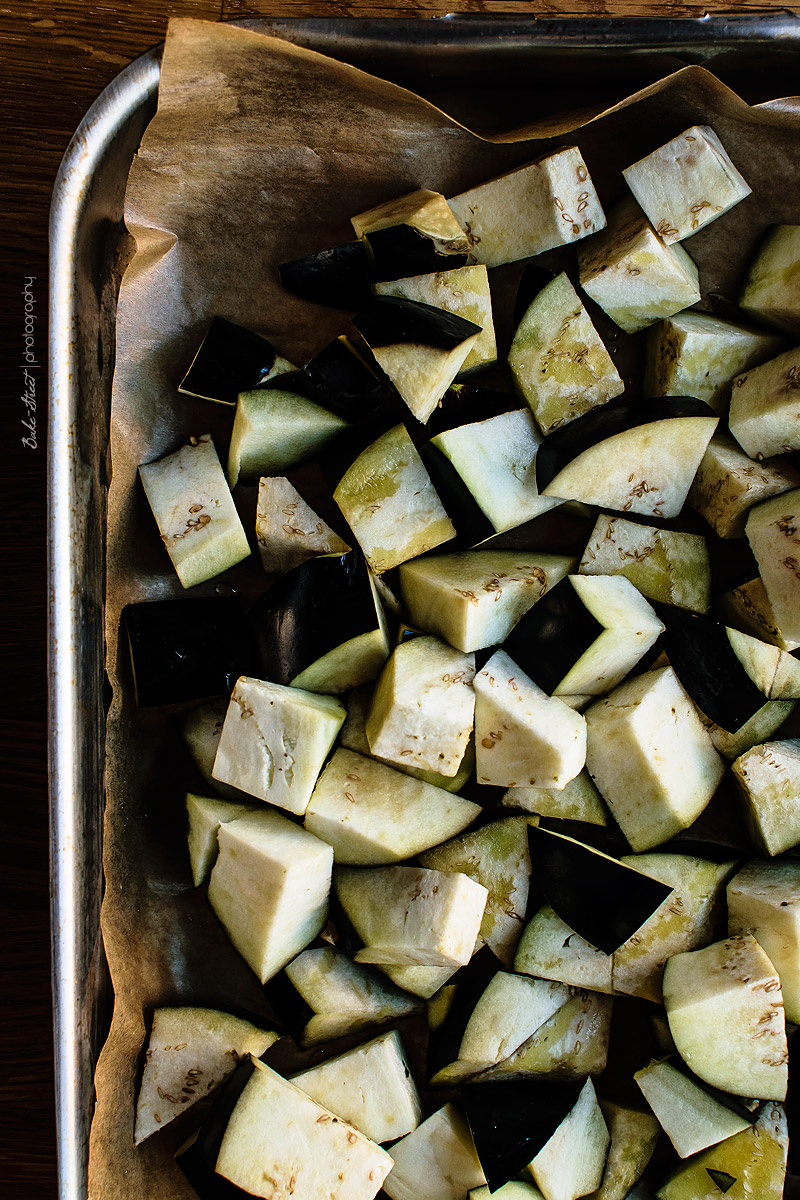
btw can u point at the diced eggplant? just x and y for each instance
(773, 531)
(754, 1162)
(768, 777)
(633, 275)
(355, 809)
(687, 183)
(515, 1189)
(697, 354)
(551, 949)
(338, 277)
(389, 502)
(321, 626)
(186, 649)
(420, 348)
(269, 888)
(691, 1117)
(201, 727)
(231, 359)
(764, 899)
(572, 1044)
(560, 364)
(635, 738)
(766, 721)
(599, 897)
(633, 1139)
(511, 1122)
(437, 1161)
(288, 531)
(465, 292)
(534, 277)
(663, 564)
(370, 1087)
(204, 815)
(747, 608)
(523, 737)
(730, 986)
(275, 740)
(344, 383)
(571, 1163)
(197, 1158)
(728, 483)
(474, 598)
(630, 456)
(763, 415)
(771, 291)
(195, 513)
(578, 800)
(585, 635)
(497, 857)
(534, 208)
(419, 227)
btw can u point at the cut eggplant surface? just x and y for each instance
(466, 404)
(437, 1161)
(572, 1044)
(231, 359)
(728, 483)
(768, 777)
(692, 1117)
(750, 1165)
(321, 626)
(204, 815)
(773, 531)
(470, 521)
(551, 949)
(288, 530)
(571, 1163)
(771, 290)
(338, 278)
(764, 899)
(511, 1122)
(423, 211)
(633, 1139)
(599, 897)
(632, 456)
(186, 649)
(578, 800)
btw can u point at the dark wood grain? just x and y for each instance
(56, 58)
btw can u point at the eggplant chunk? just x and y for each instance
(687, 183)
(726, 1016)
(773, 530)
(437, 1160)
(664, 565)
(310, 1152)
(560, 365)
(578, 800)
(537, 207)
(764, 899)
(204, 816)
(551, 949)
(651, 757)
(728, 483)
(771, 291)
(633, 275)
(572, 1044)
(691, 1117)
(572, 1161)
(750, 1164)
(229, 360)
(763, 415)
(278, 427)
(288, 531)
(195, 513)
(633, 1139)
(761, 726)
(747, 608)
(768, 777)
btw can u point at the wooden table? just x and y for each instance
(56, 58)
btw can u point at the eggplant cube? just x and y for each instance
(687, 183)
(572, 1044)
(276, 428)
(768, 777)
(578, 800)
(651, 757)
(190, 1052)
(764, 899)
(754, 1162)
(773, 531)
(726, 1017)
(230, 360)
(205, 814)
(553, 950)
(747, 607)
(275, 740)
(423, 706)
(771, 290)
(464, 292)
(728, 483)
(571, 1164)
(764, 407)
(370, 1087)
(662, 564)
(690, 1116)
(288, 531)
(196, 516)
(437, 1161)
(560, 365)
(474, 598)
(280, 1141)
(633, 275)
(695, 354)
(408, 916)
(269, 888)
(523, 737)
(633, 1139)
(389, 502)
(355, 809)
(425, 211)
(537, 207)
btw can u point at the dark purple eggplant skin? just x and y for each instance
(231, 359)
(512, 1120)
(533, 279)
(183, 650)
(705, 663)
(401, 251)
(392, 321)
(470, 522)
(289, 1006)
(722, 1179)
(793, 1102)
(310, 611)
(573, 439)
(552, 636)
(466, 404)
(445, 1042)
(345, 385)
(603, 900)
(336, 278)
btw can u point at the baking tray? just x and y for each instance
(472, 66)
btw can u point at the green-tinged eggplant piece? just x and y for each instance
(338, 277)
(398, 251)
(198, 1159)
(604, 901)
(185, 650)
(532, 280)
(511, 1122)
(466, 403)
(606, 457)
(445, 1041)
(231, 359)
(703, 657)
(470, 522)
(722, 1179)
(320, 626)
(420, 348)
(344, 383)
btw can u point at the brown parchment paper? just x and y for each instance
(259, 153)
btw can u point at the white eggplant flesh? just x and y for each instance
(437, 1161)
(764, 899)
(768, 778)
(571, 1163)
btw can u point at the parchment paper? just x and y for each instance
(259, 153)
